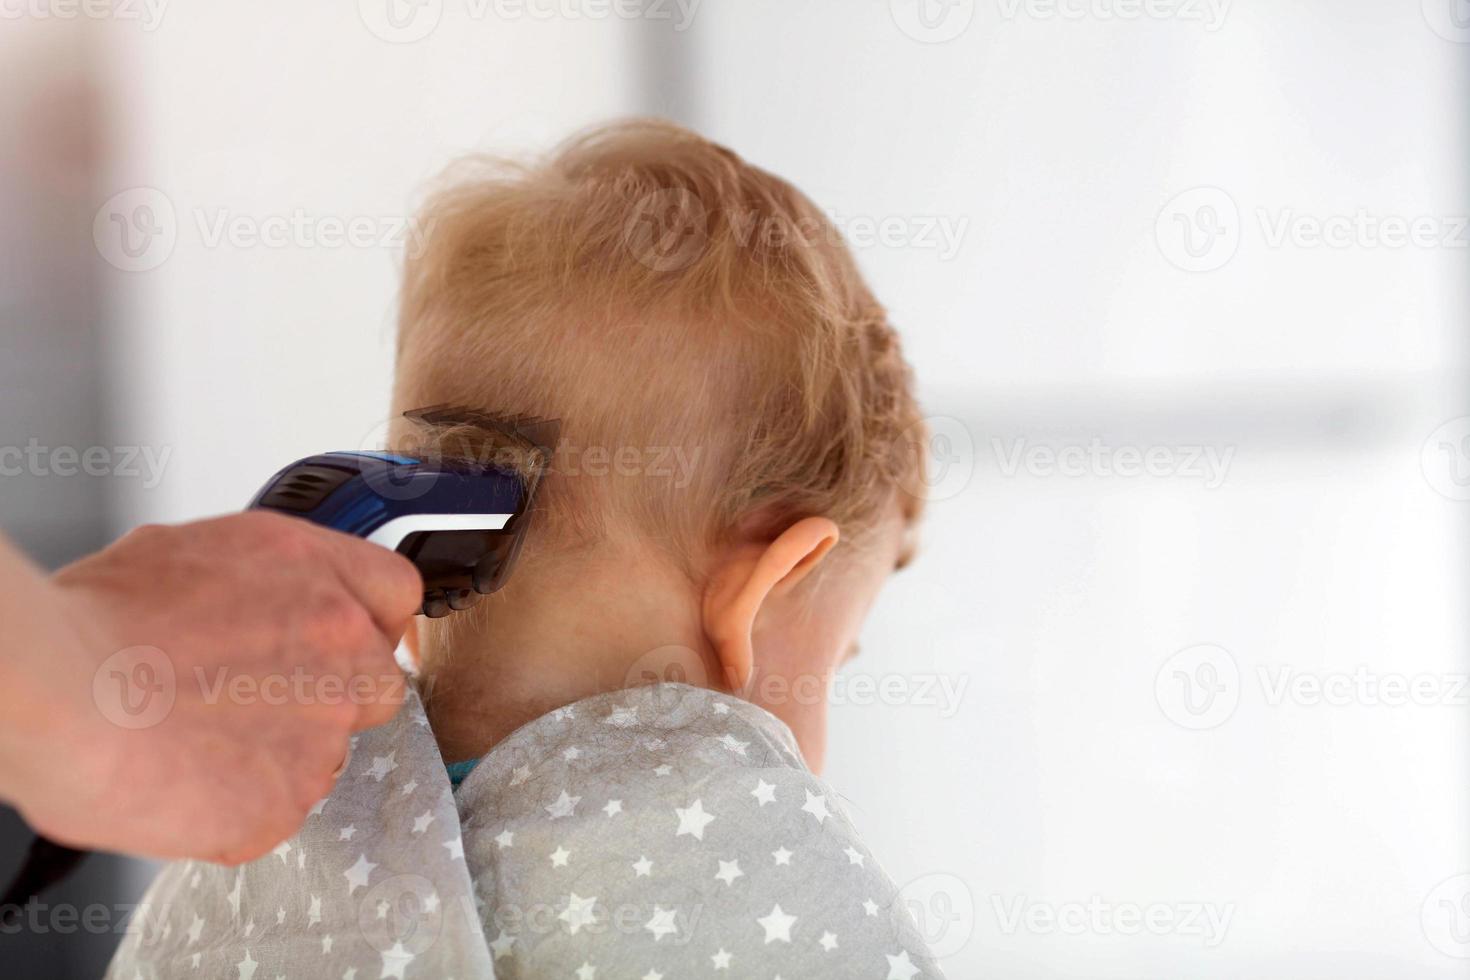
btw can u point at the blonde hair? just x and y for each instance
(661, 296)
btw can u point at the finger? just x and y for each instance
(386, 583)
(381, 698)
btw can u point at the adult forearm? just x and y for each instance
(37, 649)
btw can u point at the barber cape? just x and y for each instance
(658, 832)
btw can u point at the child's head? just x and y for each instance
(732, 401)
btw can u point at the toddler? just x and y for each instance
(606, 769)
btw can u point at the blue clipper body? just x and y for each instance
(461, 522)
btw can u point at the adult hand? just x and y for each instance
(190, 691)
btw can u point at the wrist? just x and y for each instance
(45, 687)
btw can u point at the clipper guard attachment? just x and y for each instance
(460, 567)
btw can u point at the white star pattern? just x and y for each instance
(382, 766)
(578, 913)
(564, 806)
(502, 944)
(777, 925)
(621, 752)
(395, 960)
(357, 875)
(234, 895)
(900, 967)
(662, 923)
(693, 820)
(622, 717)
(734, 744)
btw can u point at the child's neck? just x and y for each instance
(559, 634)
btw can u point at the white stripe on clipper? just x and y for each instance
(391, 535)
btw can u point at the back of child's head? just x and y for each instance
(697, 325)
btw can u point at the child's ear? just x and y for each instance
(749, 575)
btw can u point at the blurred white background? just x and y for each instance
(1177, 687)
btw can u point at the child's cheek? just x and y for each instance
(795, 662)
(813, 736)
(801, 702)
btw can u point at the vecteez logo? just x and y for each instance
(135, 688)
(1199, 687)
(947, 464)
(401, 21)
(135, 230)
(668, 230)
(147, 13)
(1450, 19)
(1445, 459)
(932, 21)
(1199, 230)
(1445, 917)
(1210, 14)
(942, 908)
